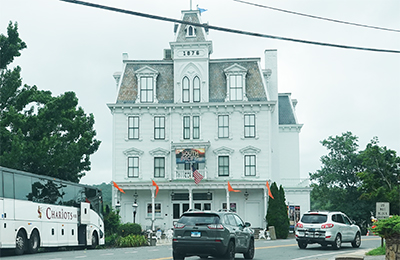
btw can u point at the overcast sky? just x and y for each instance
(77, 48)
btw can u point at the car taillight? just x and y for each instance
(299, 225)
(215, 226)
(329, 225)
(179, 225)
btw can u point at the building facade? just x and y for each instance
(221, 118)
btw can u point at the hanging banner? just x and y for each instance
(195, 155)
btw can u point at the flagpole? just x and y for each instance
(190, 5)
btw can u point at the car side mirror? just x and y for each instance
(247, 224)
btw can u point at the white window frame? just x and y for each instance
(223, 126)
(133, 152)
(229, 166)
(193, 30)
(154, 165)
(148, 73)
(185, 90)
(249, 126)
(133, 167)
(234, 72)
(252, 167)
(250, 151)
(188, 130)
(155, 120)
(156, 213)
(133, 127)
(196, 89)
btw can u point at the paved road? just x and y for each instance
(286, 249)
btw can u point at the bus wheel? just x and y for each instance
(34, 242)
(20, 243)
(95, 240)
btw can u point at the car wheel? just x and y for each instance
(20, 243)
(250, 251)
(301, 244)
(34, 242)
(338, 242)
(357, 241)
(177, 256)
(230, 251)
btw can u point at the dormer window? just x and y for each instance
(147, 78)
(236, 83)
(190, 31)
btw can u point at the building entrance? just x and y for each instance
(180, 203)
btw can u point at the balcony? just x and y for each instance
(187, 174)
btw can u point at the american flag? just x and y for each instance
(196, 175)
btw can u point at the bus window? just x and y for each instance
(23, 187)
(49, 192)
(70, 195)
(9, 188)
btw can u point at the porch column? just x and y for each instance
(153, 208)
(228, 206)
(190, 198)
(265, 204)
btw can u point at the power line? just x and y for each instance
(217, 28)
(317, 17)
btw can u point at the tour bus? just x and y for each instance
(41, 211)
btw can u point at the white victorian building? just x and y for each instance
(222, 117)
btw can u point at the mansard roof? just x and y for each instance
(255, 90)
(192, 16)
(286, 109)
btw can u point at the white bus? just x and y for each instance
(41, 211)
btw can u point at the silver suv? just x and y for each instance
(211, 233)
(327, 228)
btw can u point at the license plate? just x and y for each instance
(311, 229)
(196, 234)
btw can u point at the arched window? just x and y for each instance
(185, 89)
(196, 89)
(190, 31)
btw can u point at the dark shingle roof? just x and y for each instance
(286, 113)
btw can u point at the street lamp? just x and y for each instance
(134, 206)
(117, 207)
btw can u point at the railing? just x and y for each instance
(301, 182)
(187, 174)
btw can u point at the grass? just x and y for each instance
(377, 251)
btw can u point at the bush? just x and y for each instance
(132, 241)
(129, 229)
(111, 221)
(111, 240)
(377, 251)
(387, 228)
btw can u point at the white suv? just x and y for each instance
(327, 228)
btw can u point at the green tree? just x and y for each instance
(335, 185)
(380, 178)
(277, 214)
(40, 133)
(106, 189)
(10, 46)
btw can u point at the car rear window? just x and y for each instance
(314, 218)
(199, 219)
